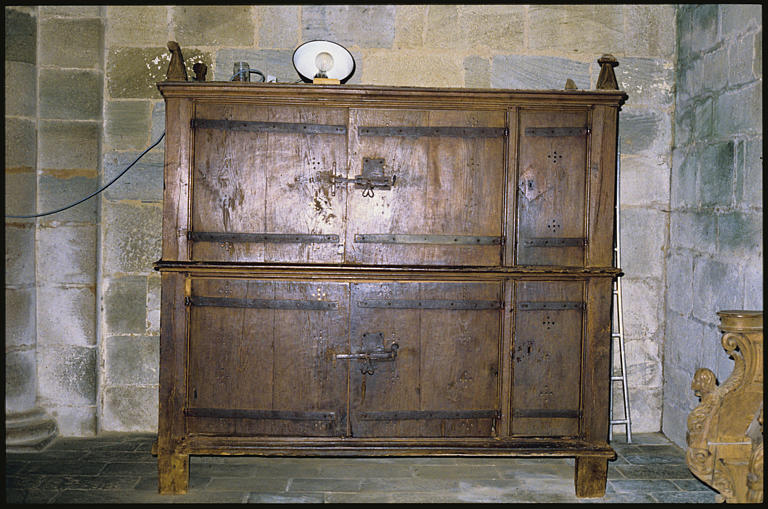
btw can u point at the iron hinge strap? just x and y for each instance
(286, 304)
(268, 127)
(549, 306)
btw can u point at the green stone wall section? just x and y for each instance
(89, 136)
(715, 257)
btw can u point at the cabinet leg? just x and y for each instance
(172, 473)
(590, 477)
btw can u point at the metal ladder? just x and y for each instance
(617, 329)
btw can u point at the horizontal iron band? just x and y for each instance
(276, 238)
(228, 302)
(422, 131)
(540, 413)
(236, 413)
(429, 304)
(268, 127)
(402, 238)
(427, 414)
(555, 242)
(556, 131)
(539, 306)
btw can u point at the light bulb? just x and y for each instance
(324, 63)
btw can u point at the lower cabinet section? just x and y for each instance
(333, 365)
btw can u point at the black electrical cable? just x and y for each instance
(96, 192)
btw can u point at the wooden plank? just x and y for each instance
(460, 358)
(176, 178)
(602, 186)
(597, 360)
(230, 183)
(173, 466)
(299, 195)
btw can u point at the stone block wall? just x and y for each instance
(715, 256)
(20, 197)
(71, 78)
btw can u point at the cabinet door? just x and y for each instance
(445, 205)
(444, 379)
(261, 190)
(546, 357)
(261, 357)
(552, 159)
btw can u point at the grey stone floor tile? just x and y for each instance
(129, 468)
(367, 470)
(66, 467)
(30, 496)
(89, 482)
(284, 498)
(149, 483)
(692, 485)
(253, 484)
(620, 498)
(257, 471)
(655, 471)
(386, 484)
(22, 482)
(123, 456)
(456, 472)
(323, 485)
(639, 485)
(650, 459)
(684, 497)
(359, 498)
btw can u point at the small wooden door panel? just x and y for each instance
(261, 357)
(552, 159)
(444, 379)
(546, 355)
(261, 190)
(445, 205)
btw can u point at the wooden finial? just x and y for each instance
(177, 71)
(607, 79)
(570, 85)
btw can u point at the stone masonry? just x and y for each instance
(27, 425)
(99, 108)
(71, 80)
(715, 256)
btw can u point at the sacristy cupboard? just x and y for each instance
(365, 270)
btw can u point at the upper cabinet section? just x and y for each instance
(380, 176)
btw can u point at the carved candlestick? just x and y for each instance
(725, 447)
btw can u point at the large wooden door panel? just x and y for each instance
(546, 358)
(261, 357)
(261, 186)
(444, 380)
(551, 193)
(446, 204)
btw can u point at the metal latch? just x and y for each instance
(372, 177)
(367, 358)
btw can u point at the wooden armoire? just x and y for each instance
(368, 270)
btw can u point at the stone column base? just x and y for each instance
(29, 431)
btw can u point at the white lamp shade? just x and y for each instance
(305, 60)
